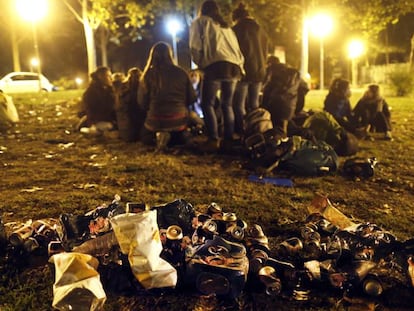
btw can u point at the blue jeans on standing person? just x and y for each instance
(208, 101)
(246, 99)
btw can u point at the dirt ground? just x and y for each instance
(47, 168)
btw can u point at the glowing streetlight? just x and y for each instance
(78, 81)
(173, 27)
(321, 26)
(355, 50)
(33, 11)
(34, 63)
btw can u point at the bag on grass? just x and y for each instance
(139, 238)
(262, 143)
(8, 111)
(359, 167)
(309, 158)
(77, 284)
(178, 212)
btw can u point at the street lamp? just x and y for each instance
(34, 63)
(321, 26)
(173, 27)
(33, 11)
(78, 81)
(355, 50)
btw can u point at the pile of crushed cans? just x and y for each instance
(215, 252)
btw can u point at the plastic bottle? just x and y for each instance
(100, 245)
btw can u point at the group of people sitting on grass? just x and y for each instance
(163, 104)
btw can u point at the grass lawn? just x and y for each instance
(49, 169)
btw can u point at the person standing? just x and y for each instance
(253, 45)
(215, 50)
(165, 93)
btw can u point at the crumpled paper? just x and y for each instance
(77, 283)
(139, 238)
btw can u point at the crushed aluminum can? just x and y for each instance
(268, 277)
(372, 286)
(20, 235)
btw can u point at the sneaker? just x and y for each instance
(210, 146)
(388, 136)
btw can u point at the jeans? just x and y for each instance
(246, 99)
(208, 100)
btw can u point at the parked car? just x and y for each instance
(23, 82)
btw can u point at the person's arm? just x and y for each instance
(191, 96)
(196, 42)
(386, 109)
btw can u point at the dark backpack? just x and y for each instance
(262, 142)
(257, 121)
(280, 93)
(309, 158)
(359, 167)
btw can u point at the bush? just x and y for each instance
(402, 82)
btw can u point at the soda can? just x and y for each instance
(20, 235)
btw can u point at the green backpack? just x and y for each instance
(309, 158)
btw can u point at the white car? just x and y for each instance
(24, 82)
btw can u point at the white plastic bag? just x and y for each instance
(139, 238)
(8, 111)
(77, 284)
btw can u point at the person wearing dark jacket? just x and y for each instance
(130, 118)
(280, 93)
(372, 112)
(165, 93)
(253, 45)
(98, 101)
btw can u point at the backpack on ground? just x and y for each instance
(262, 142)
(309, 158)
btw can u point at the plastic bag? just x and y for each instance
(139, 238)
(77, 284)
(8, 111)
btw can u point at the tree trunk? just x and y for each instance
(103, 45)
(387, 47)
(412, 54)
(90, 40)
(15, 47)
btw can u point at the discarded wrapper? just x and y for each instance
(322, 205)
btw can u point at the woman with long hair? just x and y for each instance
(165, 93)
